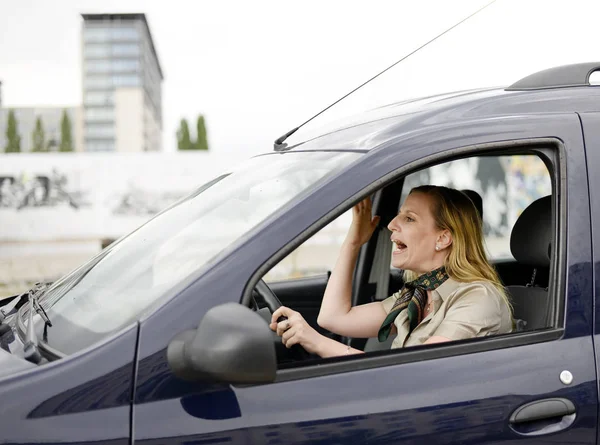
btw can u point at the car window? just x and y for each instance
(506, 184)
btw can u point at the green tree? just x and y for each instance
(13, 140)
(37, 137)
(66, 139)
(201, 141)
(183, 136)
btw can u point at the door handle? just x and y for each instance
(543, 417)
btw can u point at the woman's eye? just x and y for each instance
(409, 219)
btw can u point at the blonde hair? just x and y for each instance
(467, 261)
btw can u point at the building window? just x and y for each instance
(124, 34)
(126, 81)
(91, 51)
(99, 114)
(96, 34)
(97, 66)
(100, 130)
(125, 65)
(93, 34)
(120, 49)
(107, 145)
(107, 82)
(91, 82)
(104, 66)
(99, 98)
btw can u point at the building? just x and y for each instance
(51, 118)
(122, 82)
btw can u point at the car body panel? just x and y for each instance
(591, 131)
(80, 399)
(10, 364)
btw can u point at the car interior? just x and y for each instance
(525, 273)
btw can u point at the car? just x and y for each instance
(161, 338)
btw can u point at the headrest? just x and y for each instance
(532, 234)
(476, 198)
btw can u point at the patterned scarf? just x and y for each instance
(413, 297)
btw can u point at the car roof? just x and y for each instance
(368, 130)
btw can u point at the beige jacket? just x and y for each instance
(460, 311)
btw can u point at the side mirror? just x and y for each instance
(232, 344)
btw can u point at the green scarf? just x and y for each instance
(413, 297)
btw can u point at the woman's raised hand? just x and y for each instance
(363, 225)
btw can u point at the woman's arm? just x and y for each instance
(295, 330)
(331, 348)
(337, 314)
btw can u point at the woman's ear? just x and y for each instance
(445, 239)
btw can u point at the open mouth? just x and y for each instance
(400, 246)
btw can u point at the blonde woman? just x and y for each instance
(451, 292)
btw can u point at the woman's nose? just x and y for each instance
(392, 226)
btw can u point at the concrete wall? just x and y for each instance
(57, 209)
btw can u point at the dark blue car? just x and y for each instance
(161, 338)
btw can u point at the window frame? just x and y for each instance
(553, 153)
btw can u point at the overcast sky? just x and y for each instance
(256, 69)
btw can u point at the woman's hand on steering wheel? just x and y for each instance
(295, 330)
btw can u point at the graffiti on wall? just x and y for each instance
(52, 190)
(93, 196)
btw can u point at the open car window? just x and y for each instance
(505, 184)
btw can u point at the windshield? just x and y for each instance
(116, 286)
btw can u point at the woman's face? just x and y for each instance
(415, 236)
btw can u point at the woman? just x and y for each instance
(451, 291)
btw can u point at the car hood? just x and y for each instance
(10, 364)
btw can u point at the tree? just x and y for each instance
(201, 141)
(13, 140)
(183, 136)
(37, 137)
(66, 140)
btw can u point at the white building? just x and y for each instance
(122, 81)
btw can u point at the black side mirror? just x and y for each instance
(232, 344)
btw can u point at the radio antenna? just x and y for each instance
(280, 144)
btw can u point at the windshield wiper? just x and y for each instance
(9, 308)
(31, 351)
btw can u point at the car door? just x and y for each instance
(591, 131)
(462, 393)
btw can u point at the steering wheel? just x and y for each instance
(273, 303)
(268, 296)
